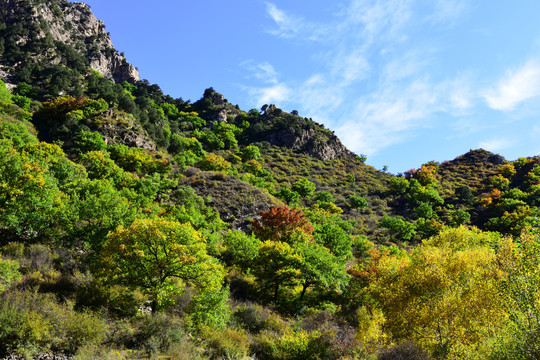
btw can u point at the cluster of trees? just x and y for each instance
(103, 252)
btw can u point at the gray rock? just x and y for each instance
(74, 24)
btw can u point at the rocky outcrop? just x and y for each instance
(323, 147)
(121, 128)
(74, 25)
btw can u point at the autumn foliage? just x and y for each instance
(279, 223)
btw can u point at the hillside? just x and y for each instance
(137, 225)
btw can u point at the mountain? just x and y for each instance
(138, 225)
(37, 36)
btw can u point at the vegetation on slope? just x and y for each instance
(135, 225)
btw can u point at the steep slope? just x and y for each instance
(38, 34)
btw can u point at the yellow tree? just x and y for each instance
(445, 297)
(160, 257)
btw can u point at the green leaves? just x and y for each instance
(9, 273)
(154, 254)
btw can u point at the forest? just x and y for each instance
(139, 226)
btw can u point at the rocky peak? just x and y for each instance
(215, 97)
(72, 24)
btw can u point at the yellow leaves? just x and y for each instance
(446, 295)
(152, 254)
(370, 328)
(426, 175)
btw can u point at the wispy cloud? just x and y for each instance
(496, 144)
(447, 11)
(270, 95)
(389, 117)
(368, 61)
(514, 87)
(290, 26)
(264, 71)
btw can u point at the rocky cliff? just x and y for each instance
(276, 127)
(52, 31)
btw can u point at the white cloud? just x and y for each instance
(262, 71)
(447, 11)
(383, 19)
(515, 87)
(271, 95)
(368, 59)
(389, 117)
(496, 144)
(289, 26)
(350, 67)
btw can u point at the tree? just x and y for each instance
(324, 196)
(400, 226)
(304, 187)
(154, 254)
(251, 152)
(521, 299)
(86, 141)
(358, 202)
(242, 248)
(279, 223)
(445, 296)
(9, 273)
(30, 201)
(398, 185)
(319, 267)
(290, 197)
(277, 265)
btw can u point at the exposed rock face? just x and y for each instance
(121, 129)
(215, 97)
(72, 24)
(324, 148)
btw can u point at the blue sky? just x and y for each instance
(402, 81)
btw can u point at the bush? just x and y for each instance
(253, 318)
(407, 350)
(358, 202)
(23, 331)
(304, 187)
(213, 162)
(299, 345)
(226, 344)
(157, 333)
(32, 322)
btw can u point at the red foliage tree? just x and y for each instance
(279, 223)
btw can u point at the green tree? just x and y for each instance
(304, 187)
(324, 196)
(86, 141)
(319, 267)
(251, 152)
(30, 202)
(241, 248)
(395, 225)
(9, 273)
(358, 202)
(154, 254)
(290, 197)
(277, 265)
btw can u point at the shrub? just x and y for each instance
(22, 331)
(226, 344)
(157, 333)
(251, 317)
(406, 350)
(358, 202)
(9, 273)
(304, 187)
(214, 162)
